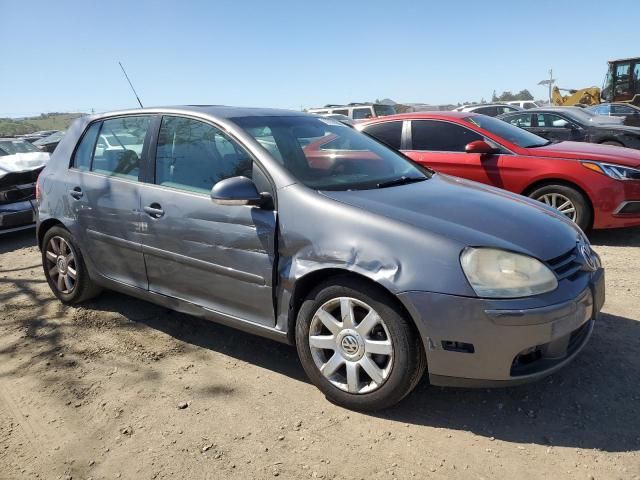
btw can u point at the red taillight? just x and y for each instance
(38, 188)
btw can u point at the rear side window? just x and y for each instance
(439, 136)
(548, 120)
(119, 146)
(84, 152)
(389, 133)
(194, 156)
(342, 111)
(622, 109)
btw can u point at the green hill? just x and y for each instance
(10, 127)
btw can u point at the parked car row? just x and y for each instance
(305, 230)
(20, 164)
(596, 186)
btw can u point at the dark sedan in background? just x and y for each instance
(577, 125)
(628, 112)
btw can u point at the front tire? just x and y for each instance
(65, 269)
(567, 200)
(356, 346)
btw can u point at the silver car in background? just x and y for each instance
(303, 230)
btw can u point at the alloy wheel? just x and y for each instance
(351, 345)
(561, 203)
(61, 264)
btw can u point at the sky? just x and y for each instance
(63, 55)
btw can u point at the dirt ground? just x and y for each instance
(95, 392)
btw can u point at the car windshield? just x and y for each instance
(509, 132)
(383, 110)
(325, 154)
(10, 147)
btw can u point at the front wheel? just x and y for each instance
(356, 347)
(567, 200)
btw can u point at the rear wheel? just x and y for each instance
(567, 200)
(64, 267)
(356, 347)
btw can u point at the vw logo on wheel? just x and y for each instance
(349, 344)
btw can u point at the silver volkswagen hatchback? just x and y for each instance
(303, 230)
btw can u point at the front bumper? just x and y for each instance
(474, 342)
(615, 204)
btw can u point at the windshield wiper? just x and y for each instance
(400, 181)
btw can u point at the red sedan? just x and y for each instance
(597, 186)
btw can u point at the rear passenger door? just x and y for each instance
(104, 195)
(219, 257)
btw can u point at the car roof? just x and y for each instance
(442, 115)
(217, 111)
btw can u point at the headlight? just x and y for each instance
(497, 273)
(614, 171)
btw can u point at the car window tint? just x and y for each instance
(343, 111)
(601, 109)
(84, 152)
(389, 133)
(548, 120)
(361, 113)
(119, 146)
(441, 136)
(491, 111)
(194, 156)
(522, 121)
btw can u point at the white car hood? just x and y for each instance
(22, 162)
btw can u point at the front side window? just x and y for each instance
(342, 111)
(118, 149)
(622, 110)
(193, 155)
(437, 136)
(361, 113)
(491, 111)
(523, 120)
(389, 133)
(325, 154)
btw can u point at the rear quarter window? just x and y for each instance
(84, 152)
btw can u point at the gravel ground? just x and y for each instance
(120, 388)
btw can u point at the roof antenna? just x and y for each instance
(130, 84)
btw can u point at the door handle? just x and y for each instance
(154, 210)
(76, 193)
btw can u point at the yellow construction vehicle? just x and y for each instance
(622, 84)
(584, 96)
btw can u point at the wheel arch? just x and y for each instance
(559, 181)
(45, 226)
(304, 285)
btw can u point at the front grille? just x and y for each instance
(17, 193)
(567, 265)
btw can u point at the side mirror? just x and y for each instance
(481, 147)
(236, 191)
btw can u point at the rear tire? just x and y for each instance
(557, 196)
(386, 360)
(65, 269)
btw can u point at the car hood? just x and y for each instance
(589, 151)
(471, 213)
(22, 162)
